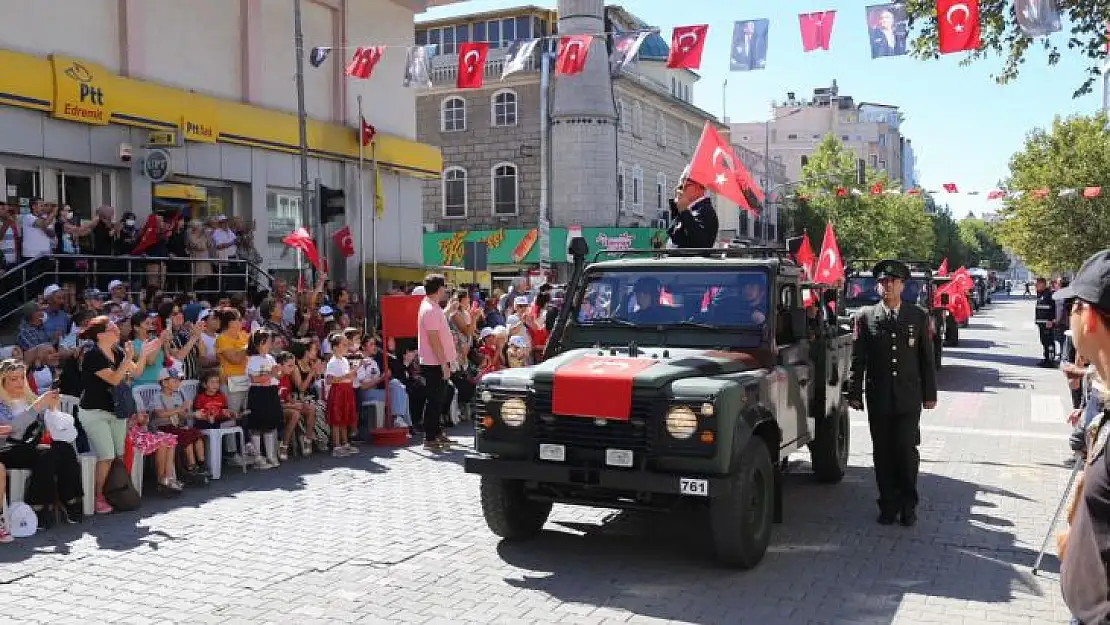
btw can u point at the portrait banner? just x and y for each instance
(887, 29)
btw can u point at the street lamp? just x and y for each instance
(767, 164)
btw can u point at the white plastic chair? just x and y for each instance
(69, 404)
(143, 394)
(215, 451)
(17, 484)
(189, 391)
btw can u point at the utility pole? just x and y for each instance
(302, 116)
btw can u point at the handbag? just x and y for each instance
(238, 383)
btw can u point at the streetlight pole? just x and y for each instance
(302, 115)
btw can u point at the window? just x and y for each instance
(448, 41)
(874, 161)
(454, 192)
(421, 37)
(805, 160)
(539, 27)
(882, 141)
(508, 32)
(622, 115)
(791, 136)
(462, 33)
(433, 39)
(844, 137)
(504, 108)
(523, 28)
(637, 119)
(480, 32)
(637, 190)
(882, 165)
(661, 191)
(661, 130)
(493, 33)
(620, 186)
(283, 214)
(453, 117)
(506, 191)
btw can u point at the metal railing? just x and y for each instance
(202, 276)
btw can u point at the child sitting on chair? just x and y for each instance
(172, 415)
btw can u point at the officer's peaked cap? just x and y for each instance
(891, 268)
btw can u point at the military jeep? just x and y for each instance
(860, 289)
(674, 379)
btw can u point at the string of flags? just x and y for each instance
(951, 188)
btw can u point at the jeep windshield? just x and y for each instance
(864, 290)
(681, 297)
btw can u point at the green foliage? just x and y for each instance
(981, 241)
(867, 226)
(1055, 233)
(1002, 35)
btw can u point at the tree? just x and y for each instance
(866, 225)
(948, 242)
(1059, 231)
(1002, 35)
(984, 249)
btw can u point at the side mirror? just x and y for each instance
(943, 299)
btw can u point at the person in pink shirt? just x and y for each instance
(436, 349)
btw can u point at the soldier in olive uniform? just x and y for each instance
(893, 353)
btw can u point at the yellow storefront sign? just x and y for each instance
(82, 91)
(200, 125)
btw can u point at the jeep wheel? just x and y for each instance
(831, 442)
(951, 332)
(509, 512)
(741, 518)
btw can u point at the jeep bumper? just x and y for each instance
(694, 486)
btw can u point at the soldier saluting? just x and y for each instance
(893, 353)
(693, 218)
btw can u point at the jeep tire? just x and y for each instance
(831, 442)
(741, 519)
(509, 512)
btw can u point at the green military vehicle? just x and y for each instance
(860, 289)
(674, 379)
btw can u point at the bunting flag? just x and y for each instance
(625, 48)
(416, 67)
(300, 239)
(957, 26)
(877, 188)
(363, 62)
(951, 187)
(687, 44)
(516, 57)
(573, 51)
(344, 241)
(318, 55)
(1037, 18)
(472, 64)
(749, 45)
(816, 29)
(367, 132)
(1090, 193)
(716, 166)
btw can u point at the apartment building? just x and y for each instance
(94, 93)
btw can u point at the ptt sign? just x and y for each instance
(79, 91)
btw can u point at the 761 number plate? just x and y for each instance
(693, 487)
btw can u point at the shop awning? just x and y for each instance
(187, 192)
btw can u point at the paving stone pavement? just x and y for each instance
(397, 536)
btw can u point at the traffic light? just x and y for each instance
(332, 203)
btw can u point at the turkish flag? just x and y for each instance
(943, 269)
(573, 51)
(597, 387)
(149, 234)
(805, 256)
(996, 194)
(363, 62)
(957, 25)
(1092, 192)
(687, 43)
(472, 64)
(816, 30)
(950, 187)
(344, 241)
(913, 192)
(366, 132)
(877, 188)
(716, 166)
(830, 266)
(301, 240)
(841, 192)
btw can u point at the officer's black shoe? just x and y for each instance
(909, 516)
(887, 518)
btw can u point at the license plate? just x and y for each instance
(693, 487)
(554, 453)
(619, 457)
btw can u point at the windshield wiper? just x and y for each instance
(608, 322)
(694, 324)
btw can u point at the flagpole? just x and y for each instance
(374, 215)
(302, 115)
(361, 209)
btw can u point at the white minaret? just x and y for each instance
(584, 128)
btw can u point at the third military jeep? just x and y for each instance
(674, 379)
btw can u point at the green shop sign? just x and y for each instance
(520, 246)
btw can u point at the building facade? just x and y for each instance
(616, 145)
(797, 127)
(83, 101)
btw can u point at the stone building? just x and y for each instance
(616, 145)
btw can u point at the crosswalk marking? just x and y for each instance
(1046, 409)
(943, 429)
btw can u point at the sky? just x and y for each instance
(964, 126)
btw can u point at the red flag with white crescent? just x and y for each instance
(716, 166)
(805, 256)
(472, 64)
(364, 61)
(597, 386)
(958, 26)
(572, 55)
(344, 241)
(301, 240)
(816, 29)
(687, 44)
(830, 266)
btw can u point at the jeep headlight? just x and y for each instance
(681, 422)
(513, 412)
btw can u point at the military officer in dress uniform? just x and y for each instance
(693, 219)
(893, 354)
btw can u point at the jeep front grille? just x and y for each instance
(637, 434)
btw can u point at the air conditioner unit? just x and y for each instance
(429, 227)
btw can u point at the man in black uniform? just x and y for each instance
(893, 353)
(693, 219)
(1045, 316)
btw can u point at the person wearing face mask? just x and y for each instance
(893, 354)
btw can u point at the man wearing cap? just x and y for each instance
(1085, 548)
(693, 219)
(56, 321)
(893, 353)
(1044, 315)
(118, 295)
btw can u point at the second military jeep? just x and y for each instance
(673, 379)
(861, 289)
